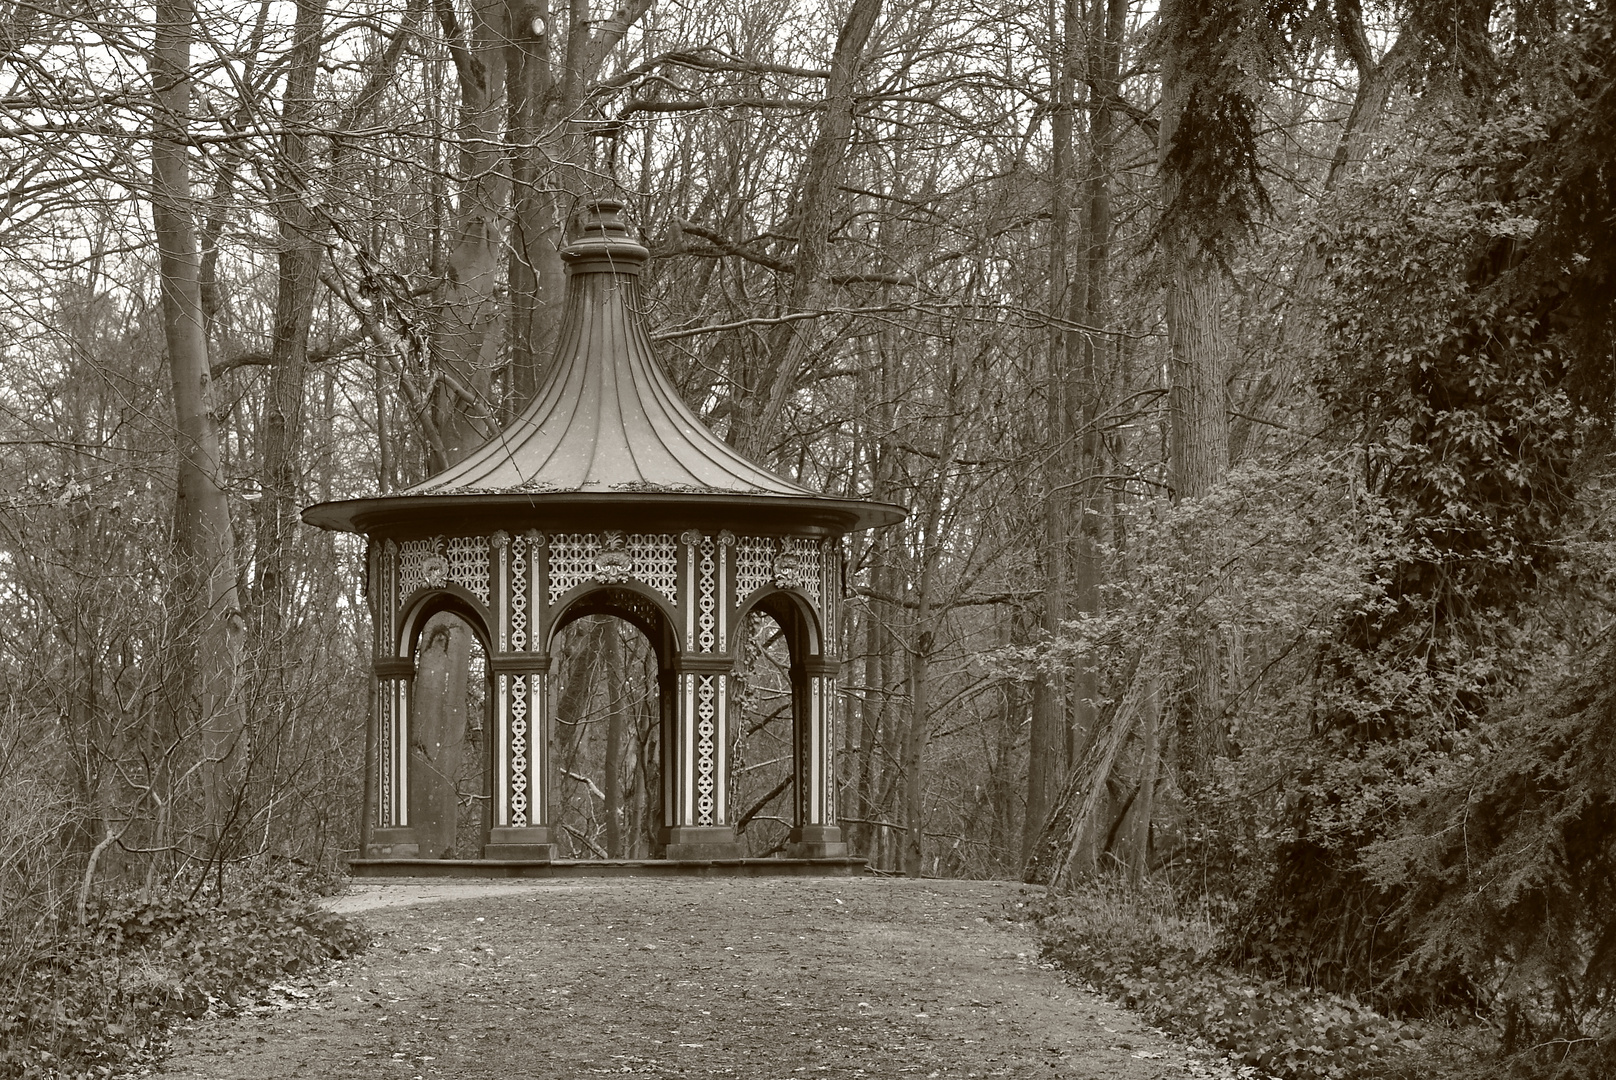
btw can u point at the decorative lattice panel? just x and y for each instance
(519, 709)
(418, 562)
(572, 561)
(518, 594)
(384, 754)
(805, 572)
(754, 565)
(655, 558)
(468, 565)
(825, 705)
(707, 591)
(387, 577)
(706, 748)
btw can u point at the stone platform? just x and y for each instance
(599, 868)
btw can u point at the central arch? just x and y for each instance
(607, 700)
(640, 608)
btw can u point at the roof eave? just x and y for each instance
(402, 516)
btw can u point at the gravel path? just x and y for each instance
(760, 979)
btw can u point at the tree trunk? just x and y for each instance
(539, 107)
(438, 732)
(611, 662)
(1090, 306)
(881, 641)
(547, 83)
(916, 737)
(1137, 854)
(299, 259)
(470, 324)
(210, 615)
(872, 704)
(1197, 396)
(813, 218)
(918, 732)
(1048, 738)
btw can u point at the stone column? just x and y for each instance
(391, 836)
(694, 765)
(816, 835)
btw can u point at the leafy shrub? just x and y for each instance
(100, 993)
(1139, 951)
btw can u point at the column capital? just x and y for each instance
(519, 663)
(703, 665)
(393, 667)
(822, 667)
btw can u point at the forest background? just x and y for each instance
(1246, 366)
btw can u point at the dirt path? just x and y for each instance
(754, 979)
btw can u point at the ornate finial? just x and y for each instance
(602, 242)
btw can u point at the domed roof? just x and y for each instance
(607, 435)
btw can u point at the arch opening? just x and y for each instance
(762, 731)
(608, 738)
(450, 757)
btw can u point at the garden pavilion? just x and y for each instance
(606, 496)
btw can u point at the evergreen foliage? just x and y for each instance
(1449, 840)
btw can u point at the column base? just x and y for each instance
(529, 844)
(701, 842)
(817, 842)
(397, 842)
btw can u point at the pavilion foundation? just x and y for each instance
(817, 842)
(702, 842)
(531, 844)
(599, 868)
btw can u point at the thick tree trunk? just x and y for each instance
(471, 312)
(438, 733)
(541, 196)
(1090, 306)
(1197, 397)
(1006, 788)
(212, 627)
(1198, 358)
(299, 264)
(548, 78)
(1078, 832)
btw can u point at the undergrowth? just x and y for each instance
(96, 995)
(1139, 948)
